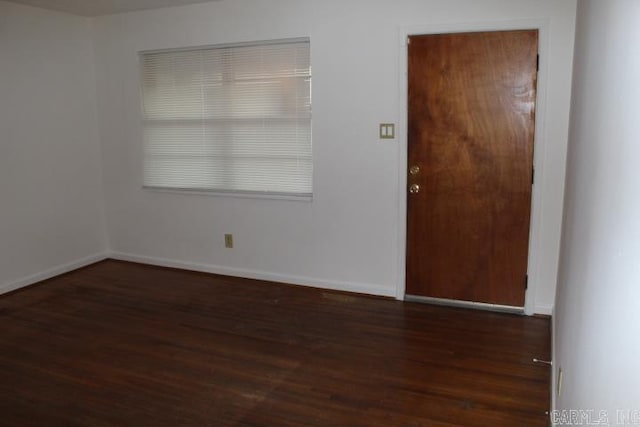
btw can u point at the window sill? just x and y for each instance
(234, 194)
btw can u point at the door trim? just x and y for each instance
(539, 141)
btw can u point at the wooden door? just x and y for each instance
(471, 129)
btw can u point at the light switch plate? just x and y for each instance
(387, 131)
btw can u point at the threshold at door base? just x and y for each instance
(465, 304)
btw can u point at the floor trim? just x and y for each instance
(360, 288)
(52, 272)
(547, 310)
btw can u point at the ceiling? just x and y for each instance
(104, 7)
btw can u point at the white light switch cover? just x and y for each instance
(387, 131)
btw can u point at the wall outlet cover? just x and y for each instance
(228, 241)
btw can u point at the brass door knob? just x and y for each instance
(414, 189)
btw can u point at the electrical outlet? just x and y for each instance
(228, 241)
(559, 389)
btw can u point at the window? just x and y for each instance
(229, 119)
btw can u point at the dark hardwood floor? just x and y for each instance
(122, 344)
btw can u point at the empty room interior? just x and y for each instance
(319, 213)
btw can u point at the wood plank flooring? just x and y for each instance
(122, 344)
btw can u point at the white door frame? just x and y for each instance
(539, 141)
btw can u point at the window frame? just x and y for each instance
(249, 194)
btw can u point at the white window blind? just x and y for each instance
(229, 119)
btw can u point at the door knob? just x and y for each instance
(414, 170)
(414, 189)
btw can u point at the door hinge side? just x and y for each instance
(538, 62)
(526, 281)
(533, 176)
(408, 40)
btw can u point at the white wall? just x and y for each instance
(597, 317)
(348, 236)
(51, 212)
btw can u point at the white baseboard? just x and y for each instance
(362, 288)
(52, 272)
(547, 310)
